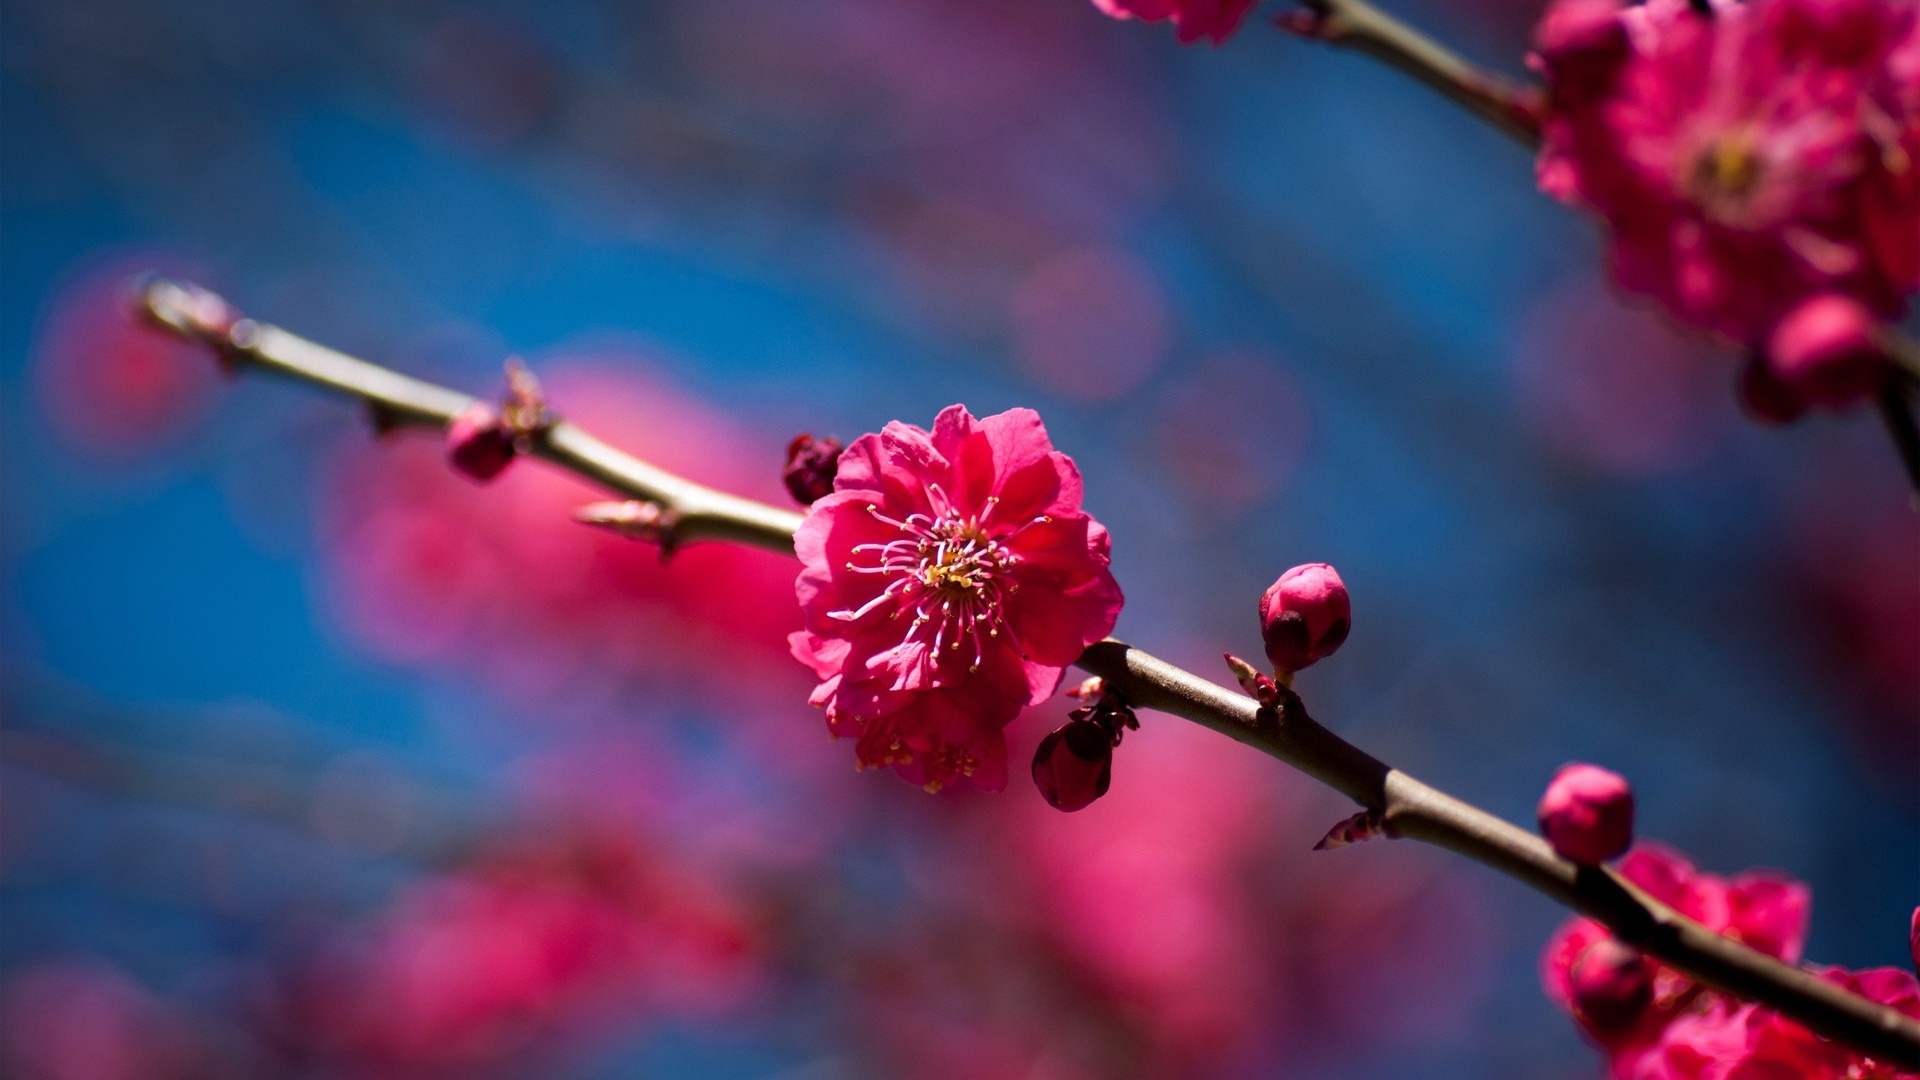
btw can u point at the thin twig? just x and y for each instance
(1356, 24)
(1408, 807)
(396, 400)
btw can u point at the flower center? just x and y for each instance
(957, 558)
(1726, 174)
(949, 573)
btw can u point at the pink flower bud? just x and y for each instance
(1587, 814)
(1304, 616)
(1611, 985)
(478, 444)
(1074, 764)
(1827, 351)
(811, 466)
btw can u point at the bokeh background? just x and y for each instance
(319, 760)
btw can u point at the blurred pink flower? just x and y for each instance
(1192, 19)
(1852, 571)
(1226, 436)
(467, 969)
(1913, 939)
(1745, 159)
(1766, 911)
(1090, 324)
(426, 567)
(82, 1020)
(1188, 900)
(1612, 387)
(949, 579)
(112, 386)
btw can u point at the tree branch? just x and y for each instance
(1356, 24)
(1409, 808)
(395, 400)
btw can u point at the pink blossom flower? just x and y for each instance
(1192, 19)
(1180, 897)
(425, 567)
(111, 387)
(462, 970)
(1765, 910)
(1725, 1040)
(1744, 160)
(79, 1019)
(1587, 814)
(949, 580)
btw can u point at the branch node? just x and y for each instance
(635, 520)
(1361, 827)
(523, 408)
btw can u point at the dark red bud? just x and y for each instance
(1612, 985)
(478, 444)
(811, 466)
(1073, 765)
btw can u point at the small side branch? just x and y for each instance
(1356, 24)
(1406, 807)
(395, 400)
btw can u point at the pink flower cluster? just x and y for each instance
(1193, 20)
(1746, 158)
(1181, 898)
(948, 581)
(464, 970)
(1656, 1024)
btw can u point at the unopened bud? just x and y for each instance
(1587, 814)
(1611, 985)
(1304, 617)
(1828, 351)
(811, 466)
(1074, 764)
(478, 444)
